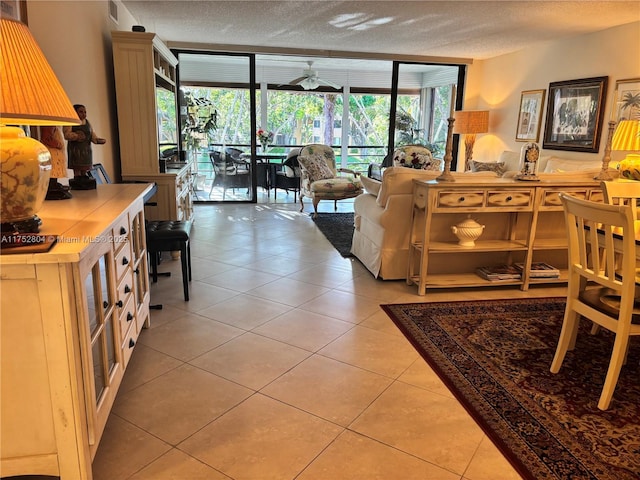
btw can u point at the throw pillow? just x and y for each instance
(498, 167)
(316, 167)
(371, 185)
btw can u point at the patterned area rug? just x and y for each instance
(338, 228)
(495, 355)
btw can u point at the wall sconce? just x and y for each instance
(469, 123)
(30, 94)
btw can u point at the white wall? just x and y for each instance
(496, 84)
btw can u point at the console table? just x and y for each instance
(70, 320)
(524, 223)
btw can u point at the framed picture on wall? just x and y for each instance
(15, 9)
(626, 100)
(574, 114)
(529, 116)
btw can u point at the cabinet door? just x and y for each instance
(99, 328)
(140, 270)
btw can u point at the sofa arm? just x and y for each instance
(396, 220)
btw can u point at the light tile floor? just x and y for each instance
(283, 366)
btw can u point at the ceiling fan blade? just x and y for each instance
(297, 80)
(329, 84)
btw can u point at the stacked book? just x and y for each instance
(499, 272)
(540, 270)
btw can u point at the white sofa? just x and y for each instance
(383, 212)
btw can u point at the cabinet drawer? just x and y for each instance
(127, 346)
(552, 197)
(125, 289)
(123, 259)
(127, 318)
(121, 233)
(460, 199)
(518, 198)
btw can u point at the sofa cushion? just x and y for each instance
(497, 167)
(316, 167)
(399, 180)
(559, 165)
(371, 185)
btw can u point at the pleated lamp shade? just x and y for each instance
(30, 94)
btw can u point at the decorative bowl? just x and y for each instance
(467, 232)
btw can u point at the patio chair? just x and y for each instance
(321, 180)
(287, 176)
(227, 174)
(597, 290)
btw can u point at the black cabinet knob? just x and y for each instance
(119, 303)
(123, 230)
(509, 198)
(129, 316)
(127, 289)
(125, 261)
(105, 304)
(131, 343)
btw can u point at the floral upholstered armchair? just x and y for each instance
(415, 156)
(321, 180)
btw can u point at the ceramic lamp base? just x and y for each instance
(25, 169)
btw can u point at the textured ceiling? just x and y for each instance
(458, 29)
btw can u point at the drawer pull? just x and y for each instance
(125, 261)
(129, 316)
(131, 343)
(137, 271)
(127, 289)
(119, 303)
(461, 199)
(509, 198)
(105, 304)
(123, 231)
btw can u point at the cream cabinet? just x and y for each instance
(523, 223)
(70, 320)
(142, 64)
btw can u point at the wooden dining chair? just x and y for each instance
(600, 290)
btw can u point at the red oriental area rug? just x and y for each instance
(494, 355)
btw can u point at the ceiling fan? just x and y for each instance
(310, 79)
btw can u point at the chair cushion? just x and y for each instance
(336, 187)
(316, 167)
(159, 231)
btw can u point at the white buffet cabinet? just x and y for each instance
(70, 320)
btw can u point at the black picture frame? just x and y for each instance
(575, 109)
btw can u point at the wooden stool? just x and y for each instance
(168, 236)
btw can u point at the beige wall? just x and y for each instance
(80, 53)
(496, 84)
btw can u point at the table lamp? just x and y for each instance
(30, 94)
(469, 123)
(627, 138)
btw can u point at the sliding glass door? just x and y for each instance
(218, 124)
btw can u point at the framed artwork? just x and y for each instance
(626, 100)
(15, 9)
(574, 114)
(531, 103)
